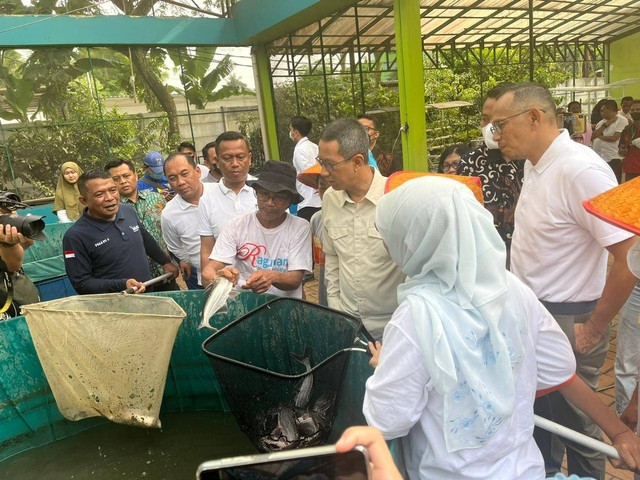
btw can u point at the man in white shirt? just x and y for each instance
(270, 250)
(560, 252)
(304, 156)
(360, 276)
(181, 214)
(607, 134)
(229, 198)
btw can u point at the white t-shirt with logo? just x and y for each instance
(248, 246)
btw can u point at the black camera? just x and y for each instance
(30, 226)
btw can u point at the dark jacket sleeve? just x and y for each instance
(77, 263)
(152, 248)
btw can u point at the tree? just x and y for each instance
(201, 75)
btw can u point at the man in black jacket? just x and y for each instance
(106, 249)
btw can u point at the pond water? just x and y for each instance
(112, 451)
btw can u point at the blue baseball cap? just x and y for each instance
(155, 161)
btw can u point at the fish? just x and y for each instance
(301, 399)
(218, 293)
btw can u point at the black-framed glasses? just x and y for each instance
(279, 198)
(451, 166)
(497, 126)
(330, 165)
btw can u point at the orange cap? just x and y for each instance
(399, 178)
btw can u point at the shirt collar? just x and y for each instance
(226, 189)
(101, 225)
(183, 204)
(552, 152)
(376, 189)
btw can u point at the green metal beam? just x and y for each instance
(27, 31)
(411, 84)
(261, 21)
(266, 103)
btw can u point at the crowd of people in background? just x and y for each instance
(524, 276)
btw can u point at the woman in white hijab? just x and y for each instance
(468, 347)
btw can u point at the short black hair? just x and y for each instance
(301, 124)
(460, 148)
(91, 175)
(190, 160)
(231, 136)
(371, 118)
(572, 103)
(610, 105)
(624, 99)
(116, 162)
(497, 91)
(206, 148)
(188, 145)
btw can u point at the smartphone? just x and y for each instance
(317, 462)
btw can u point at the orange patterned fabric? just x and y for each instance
(619, 206)
(399, 178)
(310, 176)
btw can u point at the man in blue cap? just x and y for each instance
(153, 178)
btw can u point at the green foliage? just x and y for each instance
(37, 151)
(344, 99)
(201, 75)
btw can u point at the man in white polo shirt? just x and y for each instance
(181, 215)
(226, 199)
(560, 252)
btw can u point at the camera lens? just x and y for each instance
(30, 226)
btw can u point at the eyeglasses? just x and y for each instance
(451, 166)
(498, 125)
(329, 165)
(369, 129)
(280, 198)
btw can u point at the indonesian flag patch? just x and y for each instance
(69, 254)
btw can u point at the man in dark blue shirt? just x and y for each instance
(106, 249)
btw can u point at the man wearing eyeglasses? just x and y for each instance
(268, 251)
(360, 276)
(501, 177)
(560, 252)
(229, 198)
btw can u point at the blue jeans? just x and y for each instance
(192, 280)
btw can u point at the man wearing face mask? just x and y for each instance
(501, 177)
(153, 178)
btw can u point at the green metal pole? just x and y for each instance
(186, 100)
(95, 87)
(266, 103)
(411, 84)
(9, 162)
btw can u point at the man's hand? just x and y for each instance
(208, 274)
(375, 353)
(185, 268)
(382, 466)
(260, 281)
(230, 273)
(11, 236)
(630, 415)
(628, 446)
(133, 283)
(171, 268)
(586, 336)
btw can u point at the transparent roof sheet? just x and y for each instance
(369, 25)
